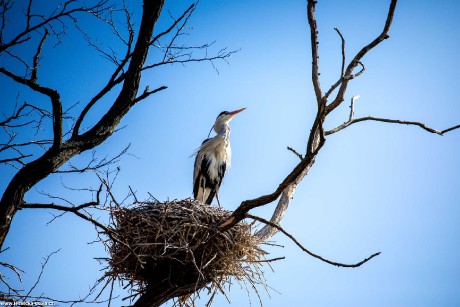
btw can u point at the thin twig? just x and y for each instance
(295, 152)
(44, 263)
(74, 210)
(343, 52)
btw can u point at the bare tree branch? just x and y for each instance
(113, 81)
(186, 13)
(450, 129)
(188, 58)
(186, 16)
(352, 120)
(314, 52)
(357, 59)
(13, 268)
(33, 77)
(94, 163)
(342, 73)
(106, 55)
(355, 265)
(15, 146)
(295, 152)
(5, 6)
(283, 203)
(15, 159)
(392, 121)
(44, 263)
(74, 210)
(55, 102)
(147, 93)
(57, 15)
(16, 115)
(174, 53)
(16, 296)
(343, 79)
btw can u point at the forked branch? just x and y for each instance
(358, 57)
(55, 102)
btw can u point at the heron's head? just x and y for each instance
(224, 118)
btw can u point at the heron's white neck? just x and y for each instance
(222, 130)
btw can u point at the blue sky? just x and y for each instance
(374, 187)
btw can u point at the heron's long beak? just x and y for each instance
(230, 115)
(233, 113)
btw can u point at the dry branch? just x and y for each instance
(358, 57)
(57, 16)
(36, 59)
(391, 121)
(274, 225)
(75, 210)
(314, 51)
(342, 39)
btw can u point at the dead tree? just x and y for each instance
(126, 75)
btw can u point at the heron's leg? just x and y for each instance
(217, 197)
(203, 189)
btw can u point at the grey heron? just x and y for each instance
(213, 159)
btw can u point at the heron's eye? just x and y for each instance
(222, 113)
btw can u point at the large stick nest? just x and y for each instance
(176, 242)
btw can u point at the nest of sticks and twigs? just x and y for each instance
(176, 244)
